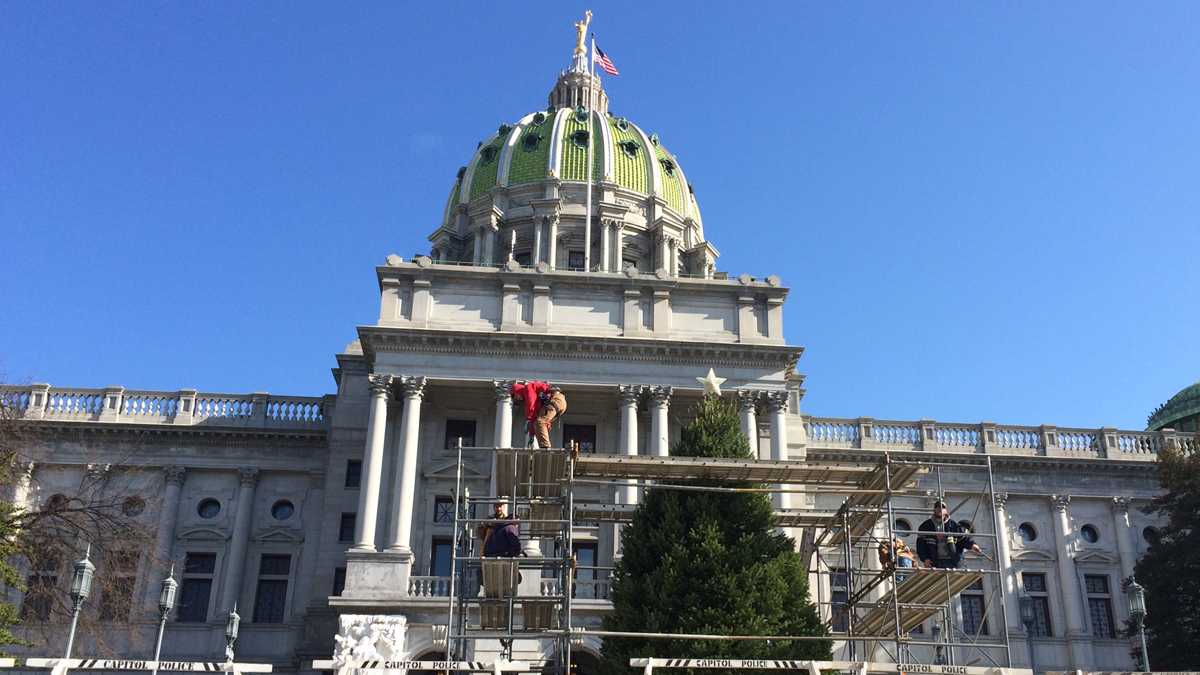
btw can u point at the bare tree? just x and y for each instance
(97, 507)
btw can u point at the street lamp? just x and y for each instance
(1137, 612)
(81, 588)
(1028, 617)
(166, 602)
(231, 633)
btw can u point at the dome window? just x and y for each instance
(668, 166)
(580, 138)
(488, 154)
(538, 118)
(462, 171)
(530, 141)
(622, 124)
(654, 139)
(630, 148)
(503, 130)
(581, 114)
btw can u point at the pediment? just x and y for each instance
(1095, 557)
(1032, 555)
(450, 470)
(203, 534)
(278, 535)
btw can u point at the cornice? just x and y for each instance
(377, 339)
(1029, 462)
(317, 437)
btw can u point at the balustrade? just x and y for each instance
(1078, 441)
(115, 404)
(429, 587)
(957, 436)
(902, 434)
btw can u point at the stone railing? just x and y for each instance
(584, 589)
(183, 407)
(988, 437)
(429, 587)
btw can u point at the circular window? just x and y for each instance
(538, 118)
(133, 506)
(580, 138)
(530, 141)
(630, 148)
(1089, 533)
(581, 114)
(668, 166)
(622, 124)
(282, 509)
(1151, 535)
(1028, 532)
(488, 154)
(503, 130)
(903, 527)
(208, 508)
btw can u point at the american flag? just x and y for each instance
(605, 62)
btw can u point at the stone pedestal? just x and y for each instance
(368, 637)
(381, 576)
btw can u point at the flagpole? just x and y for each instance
(587, 226)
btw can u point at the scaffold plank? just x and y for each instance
(707, 468)
(922, 586)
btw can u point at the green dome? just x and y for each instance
(552, 144)
(1182, 412)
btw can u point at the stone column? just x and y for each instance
(605, 244)
(502, 434)
(1072, 601)
(552, 244)
(747, 402)
(1008, 576)
(477, 246)
(405, 487)
(537, 243)
(235, 555)
(660, 402)
(777, 404)
(18, 493)
(1126, 542)
(627, 394)
(619, 233)
(372, 466)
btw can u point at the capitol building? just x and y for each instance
(303, 512)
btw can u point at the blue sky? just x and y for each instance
(985, 211)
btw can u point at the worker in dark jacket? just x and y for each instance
(944, 545)
(502, 536)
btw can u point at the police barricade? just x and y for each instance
(816, 667)
(404, 666)
(61, 665)
(7, 663)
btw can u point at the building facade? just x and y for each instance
(298, 510)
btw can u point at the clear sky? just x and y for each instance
(985, 211)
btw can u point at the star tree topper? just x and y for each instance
(712, 383)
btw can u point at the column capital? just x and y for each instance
(381, 385)
(174, 475)
(1121, 504)
(628, 393)
(777, 401)
(1000, 499)
(1060, 502)
(413, 387)
(660, 395)
(502, 390)
(248, 476)
(748, 399)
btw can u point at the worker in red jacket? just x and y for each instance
(543, 404)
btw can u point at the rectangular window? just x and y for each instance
(522, 258)
(1035, 586)
(196, 587)
(39, 598)
(439, 557)
(339, 580)
(585, 561)
(456, 429)
(1100, 605)
(583, 434)
(353, 474)
(116, 598)
(443, 510)
(575, 260)
(839, 595)
(974, 618)
(270, 598)
(346, 527)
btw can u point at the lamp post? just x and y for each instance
(1137, 612)
(1028, 617)
(231, 633)
(81, 588)
(166, 602)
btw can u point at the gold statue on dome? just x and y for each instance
(581, 28)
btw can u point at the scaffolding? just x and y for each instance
(881, 606)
